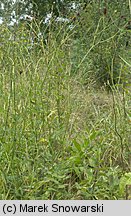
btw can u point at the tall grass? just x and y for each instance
(59, 138)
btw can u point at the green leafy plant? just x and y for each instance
(62, 134)
(125, 181)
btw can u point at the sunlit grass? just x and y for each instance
(59, 138)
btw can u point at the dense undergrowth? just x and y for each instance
(64, 134)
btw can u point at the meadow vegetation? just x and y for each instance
(65, 109)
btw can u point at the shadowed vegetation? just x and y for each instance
(65, 108)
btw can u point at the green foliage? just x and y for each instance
(125, 181)
(60, 139)
(102, 36)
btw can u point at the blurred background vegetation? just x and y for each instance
(65, 99)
